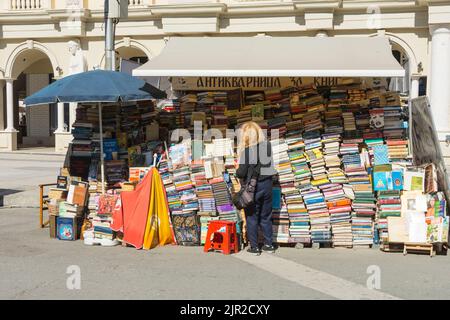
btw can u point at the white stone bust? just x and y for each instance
(77, 62)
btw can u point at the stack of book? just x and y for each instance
(297, 157)
(349, 121)
(299, 228)
(280, 225)
(340, 209)
(173, 197)
(389, 204)
(283, 165)
(397, 149)
(164, 171)
(355, 95)
(314, 156)
(189, 201)
(198, 175)
(182, 179)
(82, 143)
(174, 201)
(273, 94)
(277, 125)
(115, 172)
(331, 144)
(169, 115)
(318, 215)
(372, 145)
(362, 230)
(222, 199)
(93, 203)
(219, 120)
(207, 205)
(102, 221)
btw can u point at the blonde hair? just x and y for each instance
(250, 134)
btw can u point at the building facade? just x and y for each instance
(43, 40)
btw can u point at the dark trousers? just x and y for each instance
(260, 214)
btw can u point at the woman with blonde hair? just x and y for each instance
(255, 160)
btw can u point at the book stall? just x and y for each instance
(343, 156)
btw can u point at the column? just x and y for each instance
(2, 106)
(60, 118)
(62, 137)
(72, 114)
(440, 78)
(10, 106)
(8, 137)
(414, 88)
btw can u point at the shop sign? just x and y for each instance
(248, 83)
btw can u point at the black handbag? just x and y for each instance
(245, 198)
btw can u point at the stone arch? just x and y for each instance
(399, 44)
(26, 46)
(406, 48)
(129, 43)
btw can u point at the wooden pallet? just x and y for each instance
(414, 247)
(392, 246)
(321, 245)
(342, 247)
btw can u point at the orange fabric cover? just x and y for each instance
(132, 218)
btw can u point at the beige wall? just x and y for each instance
(42, 34)
(150, 21)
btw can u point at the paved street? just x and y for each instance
(33, 266)
(22, 172)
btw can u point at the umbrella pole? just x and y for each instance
(102, 156)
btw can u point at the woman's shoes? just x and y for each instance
(268, 249)
(265, 248)
(254, 251)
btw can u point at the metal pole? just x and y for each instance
(109, 39)
(102, 155)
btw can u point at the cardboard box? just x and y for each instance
(68, 228)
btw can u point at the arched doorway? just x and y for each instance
(132, 54)
(400, 84)
(29, 70)
(132, 51)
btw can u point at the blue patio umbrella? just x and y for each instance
(98, 86)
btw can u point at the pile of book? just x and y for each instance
(331, 144)
(299, 223)
(397, 150)
(362, 230)
(389, 204)
(282, 165)
(318, 215)
(115, 172)
(207, 204)
(280, 225)
(340, 208)
(103, 219)
(222, 198)
(314, 156)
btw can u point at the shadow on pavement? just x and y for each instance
(6, 192)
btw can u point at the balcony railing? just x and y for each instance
(135, 3)
(28, 5)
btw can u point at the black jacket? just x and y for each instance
(257, 160)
